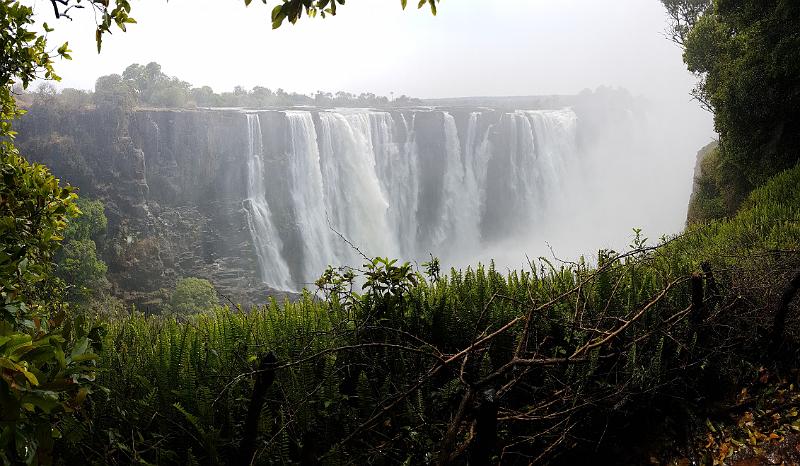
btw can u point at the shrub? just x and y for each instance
(193, 295)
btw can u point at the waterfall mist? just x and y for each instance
(464, 185)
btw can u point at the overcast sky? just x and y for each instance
(473, 47)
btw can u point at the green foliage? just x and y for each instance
(77, 263)
(82, 270)
(112, 93)
(747, 54)
(154, 88)
(293, 10)
(45, 365)
(718, 187)
(179, 391)
(46, 359)
(683, 15)
(34, 211)
(90, 223)
(192, 296)
(384, 278)
(149, 86)
(25, 56)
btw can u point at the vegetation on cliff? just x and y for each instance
(747, 55)
(146, 86)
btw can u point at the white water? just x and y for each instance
(308, 196)
(460, 227)
(398, 171)
(358, 172)
(266, 241)
(356, 204)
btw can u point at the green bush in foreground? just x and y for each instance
(45, 360)
(470, 366)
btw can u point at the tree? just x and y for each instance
(112, 92)
(204, 96)
(77, 261)
(152, 87)
(37, 382)
(193, 295)
(746, 54)
(683, 15)
(293, 10)
(45, 369)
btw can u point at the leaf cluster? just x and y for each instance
(293, 10)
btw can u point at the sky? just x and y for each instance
(471, 48)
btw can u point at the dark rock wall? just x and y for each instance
(173, 184)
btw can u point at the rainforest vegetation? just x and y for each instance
(639, 356)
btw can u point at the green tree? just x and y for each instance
(292, 10)
(91, 223)
(683, 15)
(77, 262)
(746, 54)
(193, 295)
(45, 366)
(113, 93)
(152, 87)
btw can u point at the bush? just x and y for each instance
(77, 262)
(192, 296)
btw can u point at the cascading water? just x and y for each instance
(398, 171)
(308, 195)
(460, 227)
(360, 173)
(266, 241)
(354, 200)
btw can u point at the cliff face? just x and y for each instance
(714, 192)
(172, 185)
(249, 200)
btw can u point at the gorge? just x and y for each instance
(262, 201)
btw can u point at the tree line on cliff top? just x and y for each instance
(148, 86)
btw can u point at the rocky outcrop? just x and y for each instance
(172, 184)
(705, 201)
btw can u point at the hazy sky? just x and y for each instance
(473, 47)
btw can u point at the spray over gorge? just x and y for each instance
(370, 177)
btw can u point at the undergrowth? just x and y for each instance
(552, 363)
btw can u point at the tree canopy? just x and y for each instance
(193, 295)
(746, 54)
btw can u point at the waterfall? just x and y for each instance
(398, 170)
(266, 241)
(358, 173)
(459, 230)
(355, 203)
(308, 195)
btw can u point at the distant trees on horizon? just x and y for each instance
(148, 86)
